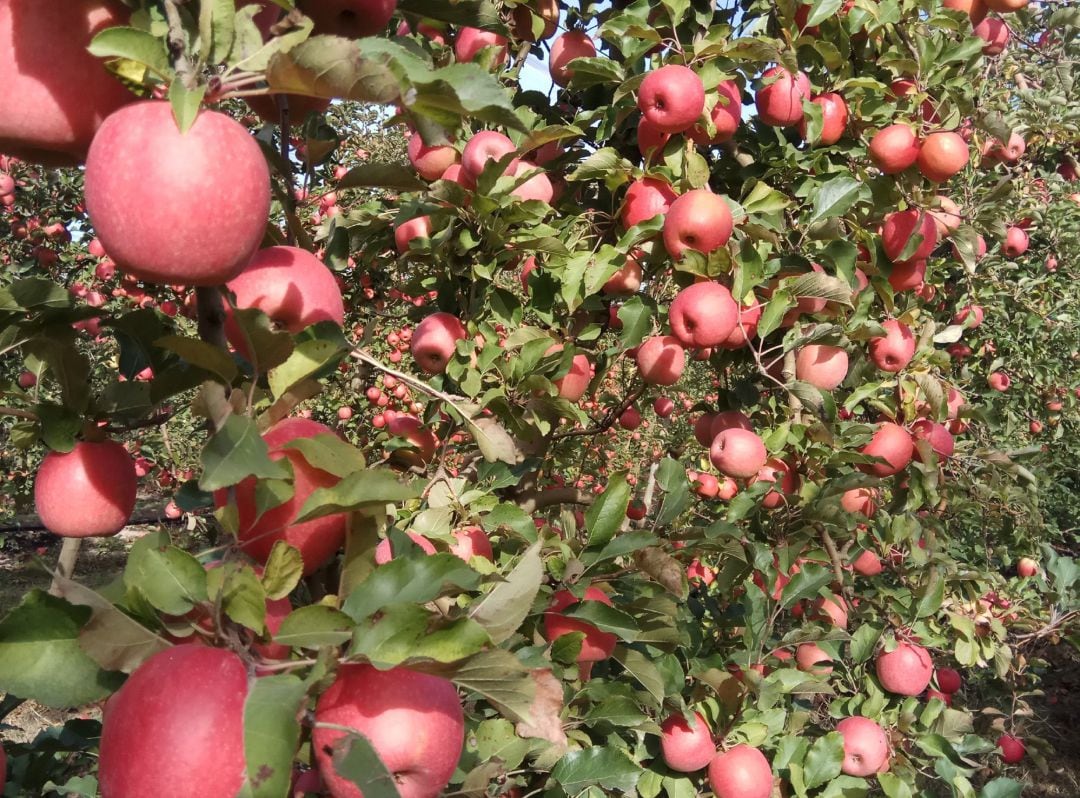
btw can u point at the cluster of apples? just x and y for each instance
(994, 31)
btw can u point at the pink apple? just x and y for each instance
(738, 453)
(470, 41)
(471, 541)
(431, 161)
(893, 351)
(384, 551)
(87, 492)
(703, 314)
(645, 199)
(812, 658)
(482, 148)
(686, 748)
(726, 115)
(866, 748)
(892, 443)
(780, 97)
(698, 220)
(352, 19)
(571, 45)
(821, 365)
(906, 670)
(900, 227)
(661, 360)
(416, 229)
(741, 772)
(672, 98)
(434, 341)
(596, 645)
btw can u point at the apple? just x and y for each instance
(860, 500)
(942, 155)
(352, 19)
(645, 199)
(661, 360)
(672, 98)
(938, 436)
(176, 727)
(900, 227)
(775, 471)
(995, 33)
(971, 316)
(1012, 749)
(651, 140)
(56, 94)
(523, 15)
(705, 485)
(431, 161)
(947, 217)
(172, 207)
(630, 418)
(686, 748)
(471, 541)
(384, 552)
(738, 453)
(1016, 242)
(867, 564)
(596, 645)
(291, 286)
(663, 406)
(821, 365)
(319, 539)
(87, 492)
(702, 314)
(470, 41)
(894, 149)
(728, 419)
(626, 281)
(999, 381)
(906, 670)
(434, 341)
(975, 9)
(779, 98)
(907, 275)
(892, 443)
(948, 680)
(416, 229)
(572, 385)
(829, 610)
(746, 326)
(741, 772)
(1011, 152)
(726, 115)
(866, 748)
(409, 427)
(538, 187)
(413, 720)
(834, 118)
(698, 220)
(1027, 567)
(482, 148)
(572, 44)
(809, 658)
(893, 351)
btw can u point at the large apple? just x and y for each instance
(937, 435)
(812, 658)
(698, 220)
(703, 314)
(87, 492)
(470, 41)
(741, 772)
(352, 19)
(866, 748)
(416, 229)
(893, 351)
(906, 670)
(894, 148)
(892, 443)
(471, 541)
(738, 453)
(645, 199)
(55, 93)
(596, 645)
(176, 727)
(726, 115)
(942, 155)
(319, 539)
(834, 118)
(571, 45)
(482, 148)
(434, 341)
(672, 98)
(661, 360)
(686, 748)
(900, 227)
(413, 720)
(431, 161)
(779, 99)
(821, 365)
(177, 208)
(572, 385)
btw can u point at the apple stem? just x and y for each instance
(175, 40)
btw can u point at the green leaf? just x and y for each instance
(821, 286)
(282, 571)
(185, 103)
(327, 452)
(482, 14)
(834, 198)
(242, 595)
(765, 199)
(820, 11)
(998, 788)
(863, 642)
(67, 364)
(135, 45)
(606, 766)
(500, 678)
(607, 513)
(314, 626)
(930, 594)
(404, 580)
(773, 314)
(272, 732)
(607, 619)
(504, 609)
(642, 668)
(266, 347)
(355, 759)
(237, 451)
(40, 658)
(201, 354)
(381, 175)
(636, 318)
(307, 358)
(358, 490)
(169, 578)
(216, 29)
(403, 632)
(806, 583)
(824, 760)
(894, 787)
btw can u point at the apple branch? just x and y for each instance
(607, 421)
(176, 43)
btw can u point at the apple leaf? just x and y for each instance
(237, 451)
(314, 626)
(607, 513)
(403, 632)
(355, 759)
(405, 580)
(359, 490)
(272, 733)
(504, 609)
(602, 765)
(169, 578)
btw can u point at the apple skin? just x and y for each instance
(894, 149)
(702, 314)
(893, 443)
(661, 360)
(651, 140)
(434, 340)
(893, 351)
(547, 10)
(946, 216)
(975, 9)
(646, 198)
(698, 220)
(176, 727)
(942, 154)
(471, 541)
(318, 540)
(780, 102)
(415, 229)
(176, 208)
(1012, 749)
(352, 19)
(971, 316)
(738, 453)
(821, 365)
(834, 119)
(999, 381)
(663, 406)
(938, 436)
(626, 281)
(672, 98)
(1027, 567)
(1011, 152)
(684, 748)
(572, 385)
(901, 226)
(741, 772)
(906, 670)
(431, 162)
(811, 658)
(407, 426)
(470, 41)
(56, 94)
(87, 492)
(829, 610)
(867, 564)
(596, 645)
(485, 146)
(1016, 242)
(571, 45)
(384, 553)
(538, 187)
(726, 115)
(995, 33)
(291, 286)
(907, 275)
(866, 748)
(775, 471)
(413, 720)
(745, 327)
(949, 680)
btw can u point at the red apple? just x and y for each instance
(937, 435)
(352, 19)
(672, 98)
(942, 155)
(703, 314)
(698, 220)
(87, 492)
(779, 99)
(431, 161)
(867, 564)
(412, 429)
(1012, 749)
(809, 658)
(626, 281)
(948, 680)
(995, 33)
(596, 645)
(834, 118)
(1027, 567)
(728, 419)
(775, 471)
(575, 382)
(470, 41)
(1016, 242)
(434, 341)
(726, 115)
(821, 365)
(999, 381)
(893, 351)
(538, 187)
(906, 670)
(866, 748)
(651, 140)
(663, 406)
(645, 199)
(894, 148)
(686, 748)
(571, 45)
(738, 453)
(384, 552)
(174, 208)
(900, 227)
(741, 772)
(416, 229)
(471, 541)
(661, 360)
(482, 148)
(892, 443)
(947, 216)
